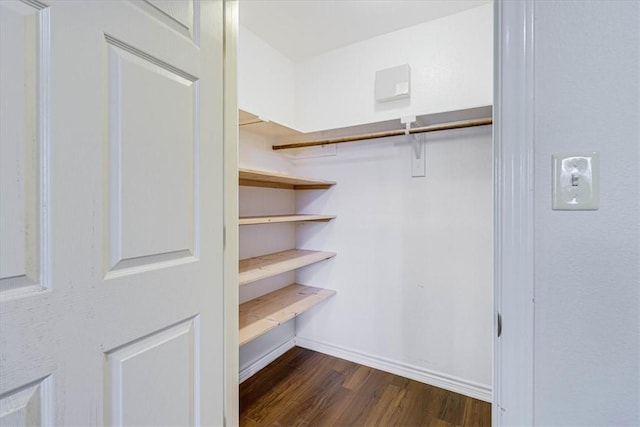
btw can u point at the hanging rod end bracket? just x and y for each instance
(407, 121)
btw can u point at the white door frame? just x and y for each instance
(513, 378)
(231, 325)
(513, 218)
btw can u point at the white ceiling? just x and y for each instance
(301, 29)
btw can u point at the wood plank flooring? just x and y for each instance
(306, 388)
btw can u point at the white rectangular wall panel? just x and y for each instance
(144, 376)
(153, 117)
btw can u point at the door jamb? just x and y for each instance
(513, 369)
(230, 324)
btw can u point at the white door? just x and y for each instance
(111, 284)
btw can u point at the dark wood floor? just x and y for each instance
(305, 388)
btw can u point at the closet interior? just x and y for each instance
(365, 227)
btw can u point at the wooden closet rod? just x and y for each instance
(431, 128)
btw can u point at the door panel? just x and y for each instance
(23, 113)
(177, 13)
(144, 375)
(124, 324)
(27, 406)
(153, 129)
(26, 362)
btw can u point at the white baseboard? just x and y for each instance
(437, 379)
(253, 368)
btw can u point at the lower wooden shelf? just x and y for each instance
(261, 267)
(262, 314)
(250, 220)
(257, 178)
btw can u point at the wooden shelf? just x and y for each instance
(250, 220)
(255, 124)
(283, 135)
(257, 178)
(252, 269)
(262, 314)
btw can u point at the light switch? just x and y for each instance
(576, 181)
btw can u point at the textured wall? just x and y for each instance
(587, 319)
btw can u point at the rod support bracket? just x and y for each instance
(416, 141)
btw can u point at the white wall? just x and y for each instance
(587, 266)
(265, 80)
(451, 62)
(414, 264)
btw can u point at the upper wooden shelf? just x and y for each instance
(283, 137)
(272, 219)
(257, 178)
(261, 267)
(264, 313)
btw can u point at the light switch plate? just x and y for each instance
(576, 181)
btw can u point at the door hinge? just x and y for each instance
(499, 325)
